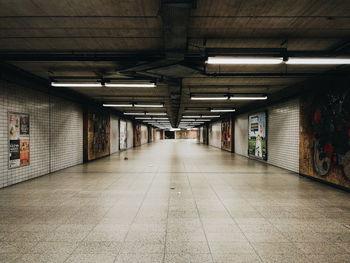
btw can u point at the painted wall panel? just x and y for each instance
(325, 135)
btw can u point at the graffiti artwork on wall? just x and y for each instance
(18, 136)
(101, 134)
(257, 136)
(226, 135)
(330, 125)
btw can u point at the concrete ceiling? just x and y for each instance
(168, 40)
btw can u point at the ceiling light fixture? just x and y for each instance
(222, 110)
(248, 97)
(244, 60)
(118, 105)
(130, 85)
(318, 61)
(149, 105)
(134, 113)
(55, 84)
(142, 118)
(210, 116)
(209, 98)
(191, 116)
(156, 113)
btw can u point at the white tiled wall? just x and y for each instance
(64, 140)
(114, 134)
(282, 134)
(215, 134)
(66, 134)
(241, 134)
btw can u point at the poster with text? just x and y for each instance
(257, 146)
(18, 139)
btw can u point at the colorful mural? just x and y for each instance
(96, 134)
(325, 135)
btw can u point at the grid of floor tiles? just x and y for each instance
(173, 201)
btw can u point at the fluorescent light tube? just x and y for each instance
(209, 98)
(318, 61)
(210, 116)
(130, 85)
(244, 60)
(222, 110)
(149, 105)
(55, 84)
(134, 113)
(192, 116)
(142, 118)
(248, 98)
(157, 118)
(156, 113)
(117, 105)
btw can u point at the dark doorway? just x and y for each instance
(169, 135)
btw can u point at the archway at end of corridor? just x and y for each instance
(169, 135)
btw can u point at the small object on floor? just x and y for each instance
(126, 158)
(172, 188)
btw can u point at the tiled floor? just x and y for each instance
(174, 201)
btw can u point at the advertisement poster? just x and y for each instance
(257, 146)
(122, 135)
(18, 136)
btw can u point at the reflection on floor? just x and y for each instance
(174, 201)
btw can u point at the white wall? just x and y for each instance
(241, 134)
(200, 135)
(215, 134)
(66, 138)
(282, 134)
(114, 145)
(130, 134)
(157, 137)
(144, 134)
(56, 132)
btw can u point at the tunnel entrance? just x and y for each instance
(169, 135)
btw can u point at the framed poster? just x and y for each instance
(257, 145)
(18, 139)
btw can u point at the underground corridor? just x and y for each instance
(175, 131)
